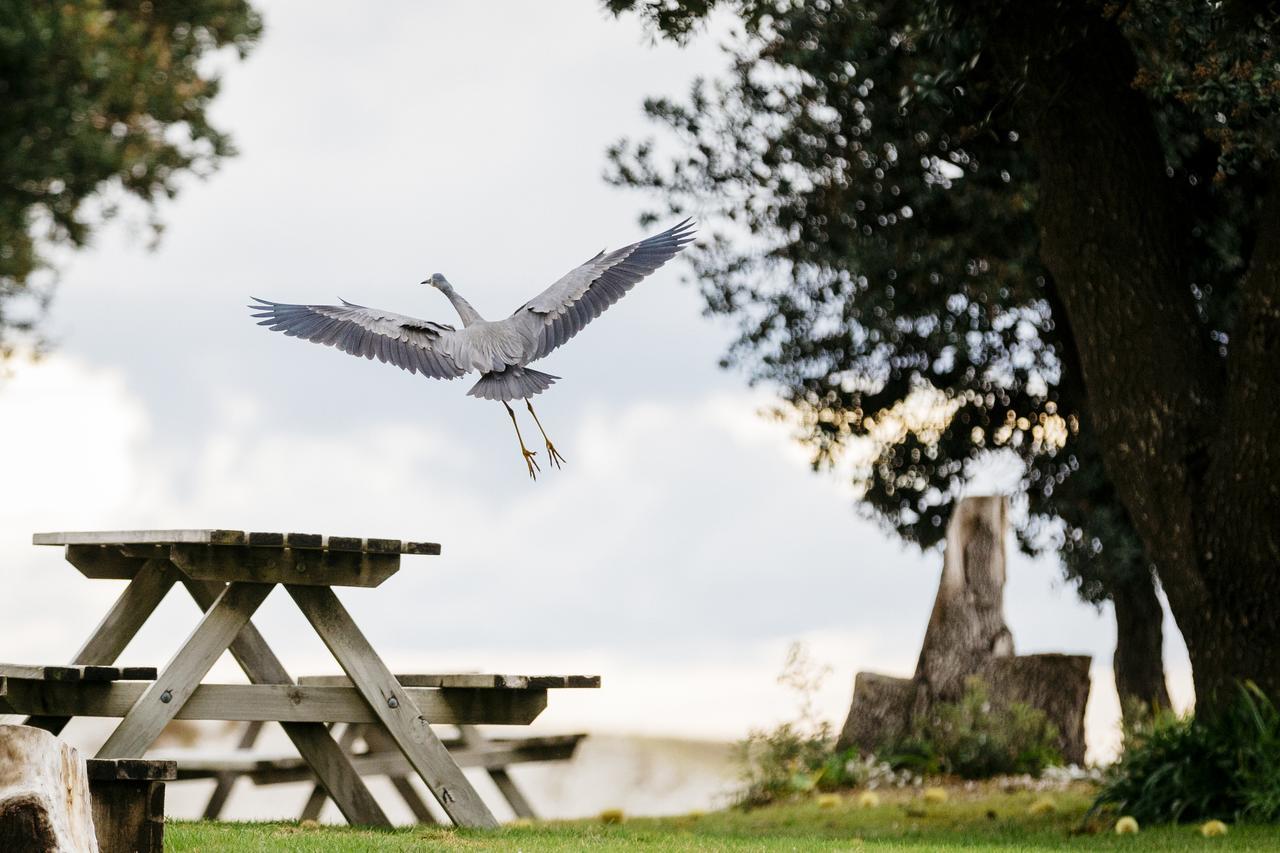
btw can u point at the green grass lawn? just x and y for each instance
(968, 821)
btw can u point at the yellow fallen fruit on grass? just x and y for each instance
(1126, 826)
(828, 801)
(935, 795)
(308, 824)
(1044, 805)
(1211, 828)
(868, 799)
(612, 816)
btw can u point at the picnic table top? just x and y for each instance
(237, 538)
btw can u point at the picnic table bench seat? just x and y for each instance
(380, 758)
(282, 769)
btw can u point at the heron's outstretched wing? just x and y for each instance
(416, 345)
(560, 311)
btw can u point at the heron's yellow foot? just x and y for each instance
(531, 462)
(554, 455)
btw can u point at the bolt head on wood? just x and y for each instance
(393, 702)
(166, 696)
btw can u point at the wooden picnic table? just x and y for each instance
(229, 573)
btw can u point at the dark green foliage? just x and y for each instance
(1182, 769)
(974, 739)
(99, 100)
(875, 154)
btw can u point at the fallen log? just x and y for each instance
(45, 804)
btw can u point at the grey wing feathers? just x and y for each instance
(406, 342)
(584, 294)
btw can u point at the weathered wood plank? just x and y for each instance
(256, 539)
(132, 769)
(134, 606)
(395, 707)
(288, 565)
(139, 537)
(471, 680)
(424, 548)
(165, 696)
(269, 702)
(77, 672)
(106, 562)
(310, 738)
(383, 760)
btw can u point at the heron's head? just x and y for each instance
(438, 281)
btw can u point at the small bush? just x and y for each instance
(797, 757)
(974, 739)
(1225, 767)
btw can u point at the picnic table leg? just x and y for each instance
(515, 797)
(134, 606)
(378, 739)
(328, 761)
(315, 802)
(162, 700)
(388, 700)
(227, 781)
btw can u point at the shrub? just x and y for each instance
(1185, 769)
(975, 739)
(796, 757)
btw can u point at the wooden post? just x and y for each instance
(45, 803)
(128, 803)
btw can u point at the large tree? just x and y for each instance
(949, 229)
(100, 100)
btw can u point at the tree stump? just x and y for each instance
(880, 713)
(45, 804)
(966, 628)
(1056, 684)
(967, 636)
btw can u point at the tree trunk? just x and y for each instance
(1188, 445)
(1139, 657)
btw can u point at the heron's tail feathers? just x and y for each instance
(514, 383)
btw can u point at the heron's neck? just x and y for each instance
(468, 314)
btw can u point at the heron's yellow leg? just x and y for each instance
(552, 453)
(529, 461)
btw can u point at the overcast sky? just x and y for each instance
(679, 552)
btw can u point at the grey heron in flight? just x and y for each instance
(499, 350)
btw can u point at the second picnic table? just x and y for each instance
(229, 573)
